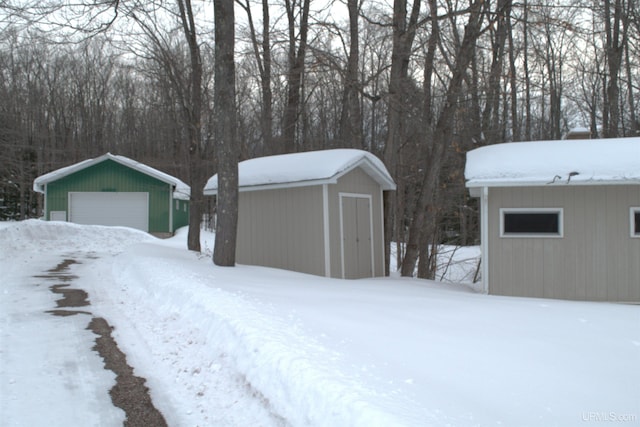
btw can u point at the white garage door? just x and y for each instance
(123, 209)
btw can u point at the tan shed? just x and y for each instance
(317, 212)
(559, 219)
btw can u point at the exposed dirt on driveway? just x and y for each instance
(130, 393)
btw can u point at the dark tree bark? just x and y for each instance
(225, 122)
(427, 254)
(616, 35)
(295, 72)
(554, 71)
(491, 113)
(513, 81)
(265, 79)
(527, 78)
(192, 111)
(403, 36)
(429, 66)
(263, 60)
(633, 125)
(350, 134)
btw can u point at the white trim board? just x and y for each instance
(326, 230)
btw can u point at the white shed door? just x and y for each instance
(106, 208)
(357, 236)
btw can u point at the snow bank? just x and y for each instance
(295, 376)
(42, 236)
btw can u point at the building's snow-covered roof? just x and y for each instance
(579, 129)
(181, 190)
(577, 162)
(302, 169)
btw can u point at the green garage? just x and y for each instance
(115, 191)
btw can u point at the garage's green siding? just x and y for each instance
(110, 176)
(180, 214)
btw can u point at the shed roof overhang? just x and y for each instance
(475, 186)
(366, 161)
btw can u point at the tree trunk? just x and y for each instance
(192, 119)
(403, 36)
(527, 78)
(351, 117)
(633, 130)
(294, 75)
(429, 66)
(515, 123)
(490, 116)
(264, 68)
(615, 40)
(224, 253)
(265, 81)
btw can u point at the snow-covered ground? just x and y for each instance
(251, 346)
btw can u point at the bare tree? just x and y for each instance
(616, 37)
(188, 89)
(297, 50)
(192, 110)
(634, 125)
(491, 114)
(527, 78)
(350, 134)
(262, 53)
(513, 77)
(404, 31)
(441, 137)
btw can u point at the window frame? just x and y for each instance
(633, 211)
(558, 211)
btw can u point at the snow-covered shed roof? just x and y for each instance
(181, 190)
(304, 169)
(566, 162)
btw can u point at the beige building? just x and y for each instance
(316, 212)
(559, 219)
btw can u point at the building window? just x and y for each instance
(177, 204)
(635, 222)
(540, 222)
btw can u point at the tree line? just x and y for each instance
(181, 86)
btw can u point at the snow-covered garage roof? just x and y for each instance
(577, 162)
(181, 190)
(303, 169)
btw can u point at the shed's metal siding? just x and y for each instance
(356, 181)
(110, 176)
(596, 259)
(282, 228)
